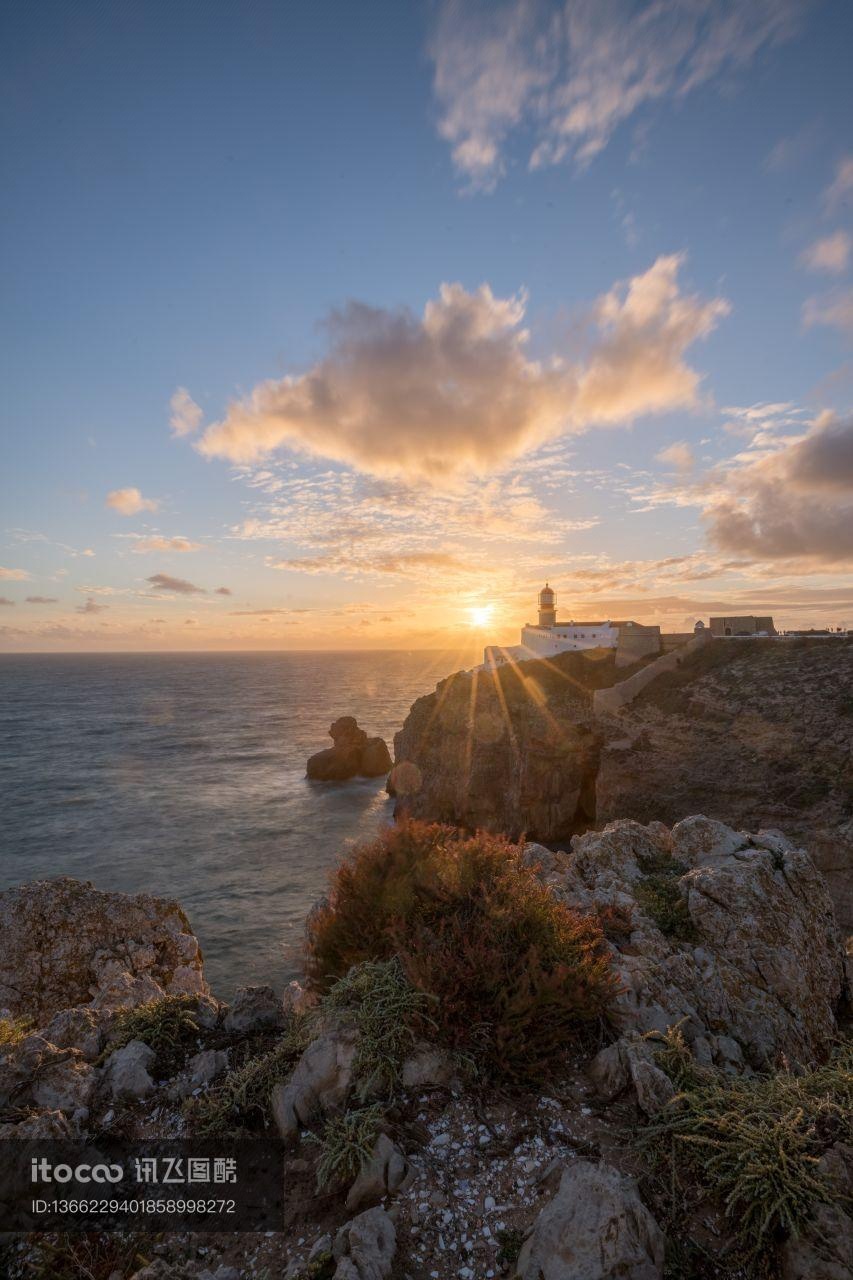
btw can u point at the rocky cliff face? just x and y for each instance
(757, 734)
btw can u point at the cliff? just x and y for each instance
(756, 734)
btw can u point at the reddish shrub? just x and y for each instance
(616, 922)
(516, 972)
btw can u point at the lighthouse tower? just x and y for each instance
(547, 607)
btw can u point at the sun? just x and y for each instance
(480, 615)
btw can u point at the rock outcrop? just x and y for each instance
(756, 733)
(728, 935)
(595, 1228)
(67, 944)
(353, 755)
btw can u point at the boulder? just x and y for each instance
(319, 1083)
(385, 1172)
(631, 1063)
(364, 1248)
(79, 1028)
(353, 755)
(756, 974)
(595, 1228)
(67, 944)
(200, 1070)
(255, 1009)
(35, 1073)
(126, 1073)
(824, 1250)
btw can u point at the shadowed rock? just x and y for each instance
(354, 755)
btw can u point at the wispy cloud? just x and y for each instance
(42, 600)
(830, 253)
(129, 502)
(157, 543)
(91, 606)
(834, 309)
(454, 391)
(175, 586)
(13, 575)
(678, 455)
(573, 74)
(186, 415)
(840, 189)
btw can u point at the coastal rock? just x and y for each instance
(126, 1073)
(385, 1172)
(79, 1028)
(320, 1082)
(364, 1248)
(42, 1126)
(201, 1069)
(754, 970)
(353, 755)
(756, 735)
(254, 1009)
(824, 1250)
(595, 1228)
(67, 944)
(35, 1073)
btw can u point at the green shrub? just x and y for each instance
(510, 1241)
(346, 1144)
(515, 973)
(242, 1099)
(377, 998)
(168, 1026)
(659, 896)
(753, 1143)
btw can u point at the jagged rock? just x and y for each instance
(631, 1063)
(78, 1028)
(364, 1248)
(427, 1068)
(595, 1228)
(200, 1070)
(67, 944)
(34, 1072)
(385, 1172)
(319, 1083)
(255, 1009)
(824, 1251)
(761, 976)
(353, 755)
(42, 1126)
(126, 1073)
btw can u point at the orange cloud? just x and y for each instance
(129, 502)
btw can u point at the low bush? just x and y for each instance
(168, 1026)
(108, 1255)
(514, 972)
(753, 1142)
(346, 1144)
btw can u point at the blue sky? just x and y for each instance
(190, 192)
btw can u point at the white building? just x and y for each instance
(549, 636)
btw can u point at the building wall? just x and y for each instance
(619, 695)
(636, 642)
(745, 624)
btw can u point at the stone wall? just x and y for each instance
(610, 700)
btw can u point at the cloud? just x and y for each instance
(255, 613)
(794, 501)
(841, 186)
(186, 414)
(678, 455)
(158, 543)
(42, 600)
(178, 586)
(571, 76)
(834, 309)
(129, 502)
(831, 253)
(4, 600)
(92, 606)
(223, 591)
(791, 150)
(13, 575)
(454, 391)
(411, 565)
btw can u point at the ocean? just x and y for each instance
(183, 775)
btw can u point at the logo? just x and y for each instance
(41, 1170)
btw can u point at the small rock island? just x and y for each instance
(354, 755)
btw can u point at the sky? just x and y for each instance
(337, 326)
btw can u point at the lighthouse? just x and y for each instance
(547, 607)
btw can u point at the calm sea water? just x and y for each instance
(184, 776)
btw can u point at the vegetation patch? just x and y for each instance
(378, 999)
(168, 1026)
(510, 1241)
(753, 1143)
(14, 1030)
(242, 1100)
(346, 1144)
(513, 973)
(659, 896)
(98, 1256)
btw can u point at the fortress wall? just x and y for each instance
(608, 700)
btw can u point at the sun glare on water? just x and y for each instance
(480, 615)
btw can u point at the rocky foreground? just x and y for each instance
(754, 733)
(403, 1158)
